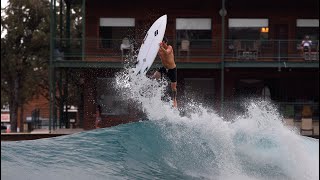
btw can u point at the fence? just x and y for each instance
(235, 49)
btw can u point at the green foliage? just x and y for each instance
(24, 50)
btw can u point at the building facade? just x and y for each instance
(228, 49)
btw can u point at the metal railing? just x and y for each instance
(235, 49)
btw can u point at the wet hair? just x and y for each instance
(165, 39)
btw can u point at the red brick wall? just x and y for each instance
(38, 102)
(145, 13)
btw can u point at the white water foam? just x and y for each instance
(259, 137)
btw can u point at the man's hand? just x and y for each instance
(163, 46)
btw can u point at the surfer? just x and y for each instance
(168, 68)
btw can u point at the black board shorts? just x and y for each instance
(170, 73)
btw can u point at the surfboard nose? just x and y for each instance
(163, 17)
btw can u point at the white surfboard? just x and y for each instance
(150, 46)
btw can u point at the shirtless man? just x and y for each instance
(169, 67)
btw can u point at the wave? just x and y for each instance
(167, 145)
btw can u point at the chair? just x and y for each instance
(125, 45)
(306, 111)
(185, 46)
(306, 125)
(238, 49)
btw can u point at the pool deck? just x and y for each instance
(37, 134)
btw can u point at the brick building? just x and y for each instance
(255, 46)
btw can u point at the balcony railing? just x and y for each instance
(189, 50)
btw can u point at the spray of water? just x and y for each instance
(255, 144)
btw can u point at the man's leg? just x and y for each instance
(159, 73)
(156, 75)
(174, 93)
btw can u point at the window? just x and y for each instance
(109, 99)
(250, 29)
(197, 30)
(113, 30)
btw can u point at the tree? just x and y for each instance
(24, 52)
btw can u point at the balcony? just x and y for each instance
(237, 51)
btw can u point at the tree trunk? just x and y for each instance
(20, 123)
(15, 105)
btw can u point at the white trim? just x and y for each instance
(244, 22)
(307, 22)
(193, 24)
(117, 22)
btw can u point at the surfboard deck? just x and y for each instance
(150, 46)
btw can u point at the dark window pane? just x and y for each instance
(111, 37)
(198, 38)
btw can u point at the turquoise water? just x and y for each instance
(198, 145)
(161, 150)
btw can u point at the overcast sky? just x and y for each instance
(3, 3)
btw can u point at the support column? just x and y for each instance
(51, 66)
(223, 14)
(83, 29)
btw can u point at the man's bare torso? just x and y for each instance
(167, 56)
